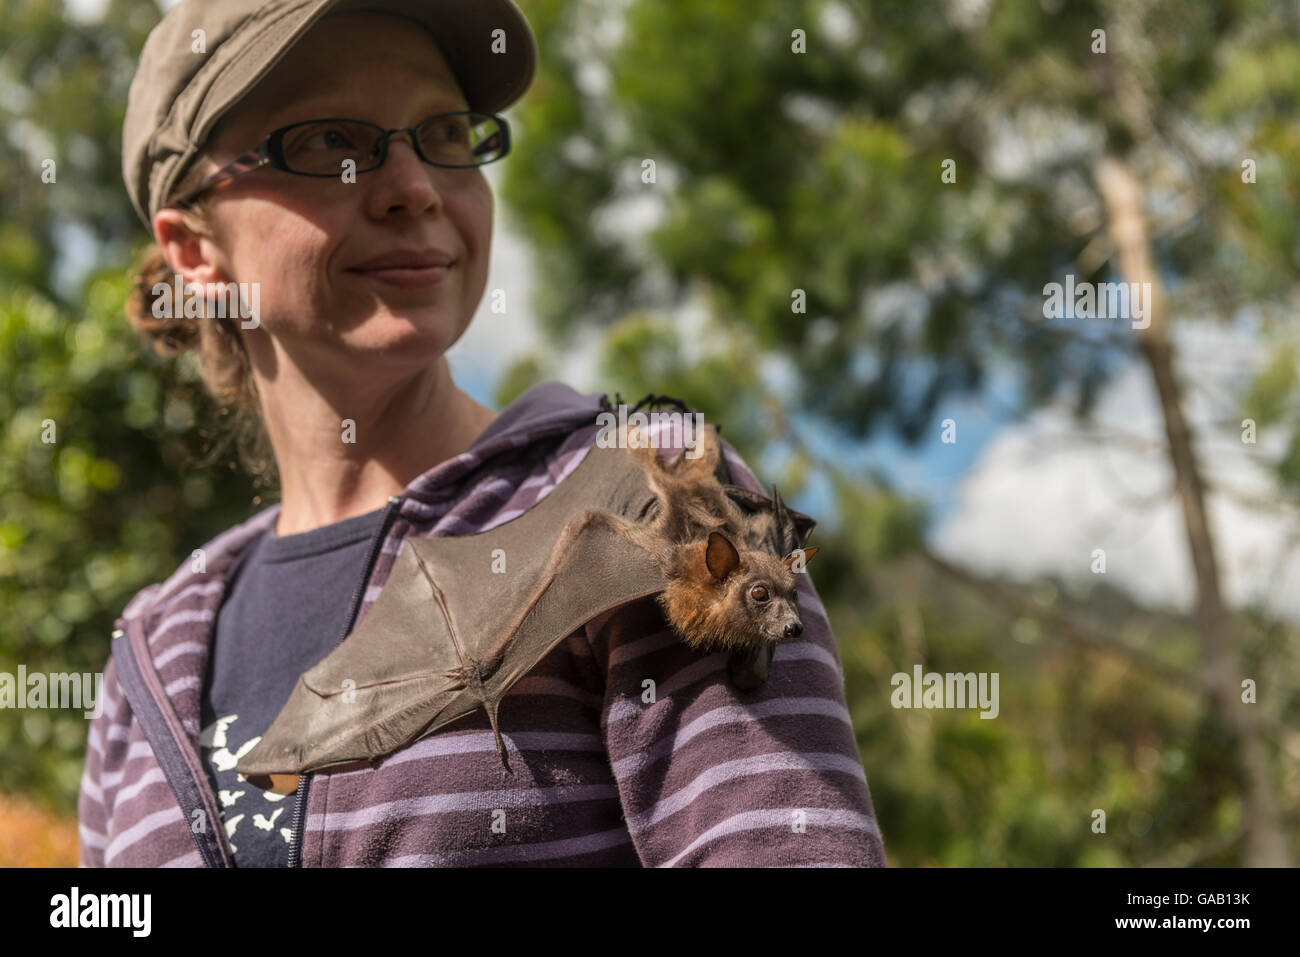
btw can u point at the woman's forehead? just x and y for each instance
(423, 99)
(410, 77)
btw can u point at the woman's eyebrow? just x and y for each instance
(319, 109)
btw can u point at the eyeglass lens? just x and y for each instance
(460, 139)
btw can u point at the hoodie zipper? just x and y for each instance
(180, 764)
(304, 780)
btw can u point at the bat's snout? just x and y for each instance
(784, 629)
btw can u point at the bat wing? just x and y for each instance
(368, 696)
(460, 620)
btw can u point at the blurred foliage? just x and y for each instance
(774, 172)
(119, 498)
(86, 520)
(821, 172)
(64, 87)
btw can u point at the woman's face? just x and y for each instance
(303, 239)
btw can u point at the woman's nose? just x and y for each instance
(405, 178)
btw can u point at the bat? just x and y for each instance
(461, 619)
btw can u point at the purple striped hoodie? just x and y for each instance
(699, 777)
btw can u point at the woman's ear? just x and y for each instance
(188, 252)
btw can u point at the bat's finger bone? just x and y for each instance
(491, 708)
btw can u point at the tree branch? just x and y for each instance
(1068, 627)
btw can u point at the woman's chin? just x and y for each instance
(405, 333)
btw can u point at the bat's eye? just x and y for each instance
(759, 593)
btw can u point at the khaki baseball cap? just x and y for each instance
(178, 95)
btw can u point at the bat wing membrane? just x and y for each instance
(497, 601)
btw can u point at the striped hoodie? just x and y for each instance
(703, 775)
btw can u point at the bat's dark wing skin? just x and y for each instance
(449, 635)
(770, 524)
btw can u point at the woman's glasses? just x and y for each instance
(325, 147)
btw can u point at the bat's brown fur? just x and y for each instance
(725, 591)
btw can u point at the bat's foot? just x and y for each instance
(702, 464)
(749, 667)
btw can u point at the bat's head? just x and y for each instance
(727, 598)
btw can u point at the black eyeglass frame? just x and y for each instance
(270, 152)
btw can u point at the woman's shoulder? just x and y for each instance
(202, 569)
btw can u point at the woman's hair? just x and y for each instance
(223, 360)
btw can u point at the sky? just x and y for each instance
(1041, 495)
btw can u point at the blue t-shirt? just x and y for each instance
(286, 609)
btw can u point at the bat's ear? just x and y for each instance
(808, 553)
(793, 526)
(721, 556)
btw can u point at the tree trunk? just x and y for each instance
(1266, 839)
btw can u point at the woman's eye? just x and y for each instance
(453, 133)
(328, 140)
(758, 593)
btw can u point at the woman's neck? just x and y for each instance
(345, 452)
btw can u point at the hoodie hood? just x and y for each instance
(543, 413)
(547, 410)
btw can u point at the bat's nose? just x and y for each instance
(794, 629)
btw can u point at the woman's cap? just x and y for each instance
(187, 80)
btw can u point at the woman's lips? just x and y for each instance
(406, 277)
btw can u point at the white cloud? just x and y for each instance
(1044, 495)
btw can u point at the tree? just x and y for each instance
(915, 179)
(102, 490)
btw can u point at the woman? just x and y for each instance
(364, 282)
